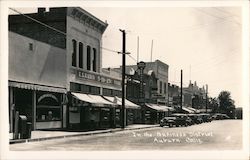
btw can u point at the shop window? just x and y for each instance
(74, 53)
(117, 93)
(48, 113)
(85, 88)
(48, 107)
(94, 60)
(94, 90)
(107, 92)
(80, 55)
(88, 58)
(72, 86)
(75, 87)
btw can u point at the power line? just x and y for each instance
(111, 50)
(218, 17)
(132, 58)
(39, 22)
(65, 34)
(215, 58)
(223, 11)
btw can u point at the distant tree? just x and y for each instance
(213, 104)
(226, 103)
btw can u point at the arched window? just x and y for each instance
(74, 53)
(88, 58)
(94, 60)
(80, 55)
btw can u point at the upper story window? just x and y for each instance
(74, 53)
(80, 55)
(165, 88)
(160, 87)
(88, 58)
(94, 60)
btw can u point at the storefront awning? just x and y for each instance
(193, 109)
(37, 87)
(93, 99)
(165, 107)
(156, 107)
(118, 101)
(187, 110)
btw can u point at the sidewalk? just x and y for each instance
(46, 135)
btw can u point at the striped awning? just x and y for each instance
(166, 107)
(92, 99)
(156, 107)
(37, 87)
(118, 101)
(187, 110)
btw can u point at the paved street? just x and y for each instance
(217, 135)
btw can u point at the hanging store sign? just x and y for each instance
(98, 78)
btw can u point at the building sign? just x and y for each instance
(47, 96)
(44, 98)
(98, 78)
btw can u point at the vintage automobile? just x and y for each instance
(196, 118)
(219, 116)
(167, 121)
(206, 117)
(182, 119)
(177, 119)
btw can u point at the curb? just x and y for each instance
(76, 135)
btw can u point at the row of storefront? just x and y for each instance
(56, 81)
(77, 111)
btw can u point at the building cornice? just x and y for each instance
(87, 19)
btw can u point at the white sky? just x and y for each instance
(208, 39)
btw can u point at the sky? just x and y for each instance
(206, 43)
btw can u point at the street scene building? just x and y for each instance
(55, 76)
(58, 86)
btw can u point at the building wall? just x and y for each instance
(161, 72)
(45, 64)
(29, 28)
(83, 33)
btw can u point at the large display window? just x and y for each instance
(49, 110)
(48, 113)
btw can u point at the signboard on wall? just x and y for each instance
(98, 78)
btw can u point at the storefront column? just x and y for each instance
(64, 111)
(11, 108)
(34, 110)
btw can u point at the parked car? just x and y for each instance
(219, 116)
(168, 121)
(177, 119)
(189, 121)
(206, 117)
(195, 118)
(182, 119)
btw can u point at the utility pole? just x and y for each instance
(206, 96)
(123, 113)
(137, 49)
(181, 90)
(151, 50)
